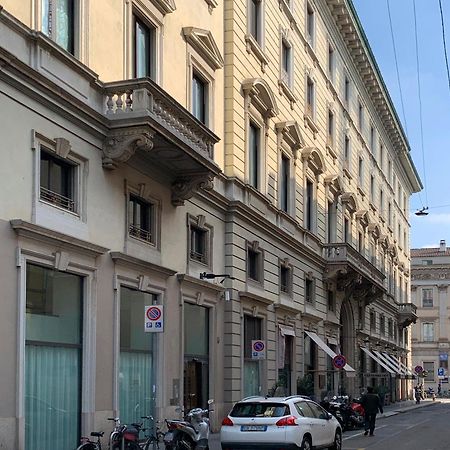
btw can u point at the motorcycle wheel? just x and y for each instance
(183, 443)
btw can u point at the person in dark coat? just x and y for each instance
(372, 404)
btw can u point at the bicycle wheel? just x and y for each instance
(152, 445)
(88, 446)
(132, 446)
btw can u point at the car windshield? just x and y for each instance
(259, 410)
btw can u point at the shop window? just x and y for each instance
(196, 356)
(53, 345)
(252, 367)
(136, 358)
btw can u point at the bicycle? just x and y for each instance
(88, 444)
(152, 440)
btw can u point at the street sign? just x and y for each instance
(258, 349)
(418, 369)
(154, 319)
(339, 361)
(441, 372)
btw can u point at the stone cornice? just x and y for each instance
(127, 260)
(39, 233)
(184, 278)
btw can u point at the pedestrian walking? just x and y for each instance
(417, 394)
(439, 389)
(372, 404)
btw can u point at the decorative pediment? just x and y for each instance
(348, 199)
(314, 159)
(202, 42)
(261, 96)
(289, 132)
(165, 6)
(362, 216)
(334, 183)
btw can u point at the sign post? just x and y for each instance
(154, 319)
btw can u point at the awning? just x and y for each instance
(349, 369)
(378, 360)
(388, 362)
(395, 363)
(286, 330)
(402, 366)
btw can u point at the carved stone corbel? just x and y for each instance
(121, 145)
(184, 188)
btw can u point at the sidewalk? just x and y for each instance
(388, 411)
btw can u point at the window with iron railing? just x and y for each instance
(285, 279)
(140, 219)
(57, 178)
(198, 244)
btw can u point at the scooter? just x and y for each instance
(191, 433)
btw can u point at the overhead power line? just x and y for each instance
(420, 108)
(396, 66)
(444, 41)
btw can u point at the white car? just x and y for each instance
(279, 423)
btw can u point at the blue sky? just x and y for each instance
(426, 231)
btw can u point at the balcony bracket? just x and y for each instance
(183, 188)
(122, 144)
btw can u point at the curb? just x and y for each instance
(407, 409)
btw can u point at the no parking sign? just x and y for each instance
(258, 349)
(154, 319)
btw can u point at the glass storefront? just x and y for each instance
(52, 358)
(137, 388)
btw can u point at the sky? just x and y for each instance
(432, 159)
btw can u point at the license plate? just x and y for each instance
(168, 437)
(253, 427)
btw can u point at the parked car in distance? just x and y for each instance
(279, 423)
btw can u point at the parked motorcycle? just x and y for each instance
(349, 415)
(191, 433)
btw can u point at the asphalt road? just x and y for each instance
(419, 429)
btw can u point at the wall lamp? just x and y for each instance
(422, 212)
(211, 276)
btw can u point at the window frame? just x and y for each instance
(287, 268)
(429, 300)
(254, 250)
(199, 223)
(310, 24)
(429, 335)
(309, 289)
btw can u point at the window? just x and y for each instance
(372, 189)
(254, 264)
(382, 325)
(330, 137)
(389, 214)
(331, 301)
(346, 149)
(346, 230)
(255, 20)
(331, 62)
(360, 117)
(144, 49)
(252, 367)
(53, 345)
(346, 90)
(381, 156)
(199, 98)
(361, 172)
(141, 219)
(285, 278)
(286, 63)
(390, 328)
(309, 206)
(389, 171)
(137, 356)
(284, 183)
(382, 212)
(372, 140)
(428, 332)
(58, 22)
(254, 154)
(309, 290)
(429, 368)
(360, 242)
(57, 181)
(331, 222)
(198, 244)
(427, 298)
(372, 320)
(309, 97)
(196, 356)
(310, 24)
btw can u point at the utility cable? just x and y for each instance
(444, 41)
(396, 66)
(420, 108)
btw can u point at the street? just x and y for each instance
(424, 429)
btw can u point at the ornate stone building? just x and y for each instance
(430, 281)
(225, 172)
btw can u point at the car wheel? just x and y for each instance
(337, 445)
(306, 444)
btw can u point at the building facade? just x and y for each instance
(232, 172)
(430, 275)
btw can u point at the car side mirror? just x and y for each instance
(329, 416)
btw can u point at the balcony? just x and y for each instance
(150, 130)
(407, 314)
(353, 273)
